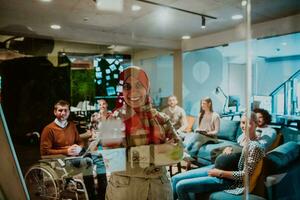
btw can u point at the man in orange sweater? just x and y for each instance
(62, 137)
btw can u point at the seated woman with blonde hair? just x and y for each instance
(211, 179)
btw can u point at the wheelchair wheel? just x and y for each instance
(42, 182)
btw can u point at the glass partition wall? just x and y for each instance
(232, 52)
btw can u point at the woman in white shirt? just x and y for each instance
(207, 130)
(208, 120)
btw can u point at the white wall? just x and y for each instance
(203, 71)
(237, 82)
(160, 72)
(269, 75)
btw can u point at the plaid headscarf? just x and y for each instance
(142, 124)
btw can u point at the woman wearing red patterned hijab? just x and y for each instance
(147, 130)
(142, 122)
(143, 86)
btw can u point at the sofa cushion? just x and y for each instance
(255, 176)
(209, 152)
(238, 133)
(228, 129)
(281, 157)
(228, 162)
(226, 196)
(285, 185)
(278, 141)
(198, 140)
(289, 134)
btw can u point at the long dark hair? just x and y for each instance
(209, 101)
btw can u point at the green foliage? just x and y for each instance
(82, 85)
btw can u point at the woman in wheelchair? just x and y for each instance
(61, 137)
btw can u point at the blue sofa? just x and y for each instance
(281, 172)
(229, 132)
(227, 136)
(279, 179)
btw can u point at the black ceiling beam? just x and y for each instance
(179, 9)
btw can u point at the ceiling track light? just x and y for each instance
(203, 25)
(179, 9)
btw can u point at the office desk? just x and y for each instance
(288, 119)
(231, 115)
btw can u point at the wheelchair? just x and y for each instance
(49, 179)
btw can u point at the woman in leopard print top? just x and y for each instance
(209, 179)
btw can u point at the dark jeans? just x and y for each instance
(196, 141)
(187, 184)
(85, 166)
(101, 175)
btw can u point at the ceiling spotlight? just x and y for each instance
(244, 3)
(135, 7)
(203, 22)
(237, 17)
(55, 26)
(186, 37)
(45, 0)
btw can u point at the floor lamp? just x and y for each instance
(219, 90)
